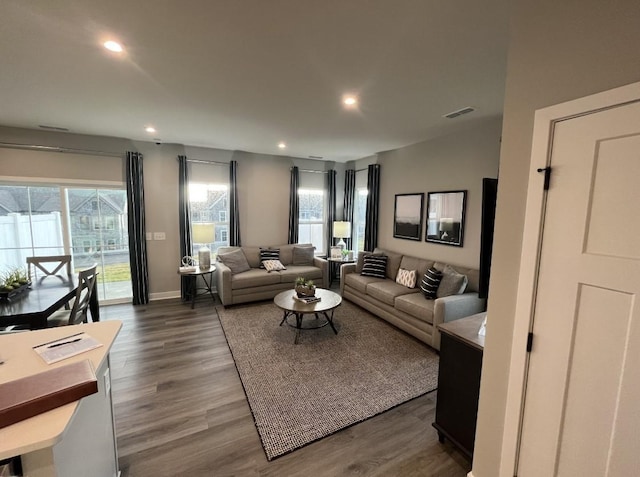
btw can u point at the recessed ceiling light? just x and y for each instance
(349, 100)
(150, 129)
(282, 145)
(113, 46)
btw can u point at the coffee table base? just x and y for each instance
(328, 320)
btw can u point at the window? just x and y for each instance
(360, 211)
(311, 218)
(208, 200)
(56, 220)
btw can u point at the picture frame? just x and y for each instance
(407, 216)
(336, 252)
(445, 217)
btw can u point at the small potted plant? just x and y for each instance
(304, 287)
(13, 282)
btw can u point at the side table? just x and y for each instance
(194, 274)
(334, 266)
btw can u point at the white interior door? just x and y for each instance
(583, 388)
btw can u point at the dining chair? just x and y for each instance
(80, 307)
(48, 265)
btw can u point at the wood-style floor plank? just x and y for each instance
(180, 409)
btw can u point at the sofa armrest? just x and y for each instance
(454, 307)
(323, 265)
(223, 283)
(345, 269)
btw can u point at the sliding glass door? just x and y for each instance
(88, 223)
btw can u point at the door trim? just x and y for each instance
(545, 122)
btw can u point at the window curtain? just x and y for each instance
(234, 216)
(331, 208)
(349, 200)
(184, 218)
(137, 235)
(294, 205)
(373, 202)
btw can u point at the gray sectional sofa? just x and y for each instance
(408, 308)
(237, 283)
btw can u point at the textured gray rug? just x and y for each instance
(301, 393)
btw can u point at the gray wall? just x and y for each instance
(455, 162)
(558, 51)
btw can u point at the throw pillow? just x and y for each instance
(269, 254)
(303, 255)
(453, 283)
(235, 260)
(430, 282)
(273, 265)
(406, 278)
(374, 266)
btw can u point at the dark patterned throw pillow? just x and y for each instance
(269, 254)
(430, 282)
(374, 266)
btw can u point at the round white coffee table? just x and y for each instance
(287, 302)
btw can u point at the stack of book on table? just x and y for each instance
(307, 299)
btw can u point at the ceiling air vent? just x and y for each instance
(315, 157)
(459, 112)
(53, 128)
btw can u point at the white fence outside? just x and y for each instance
(15, 229)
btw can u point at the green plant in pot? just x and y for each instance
(304, 287)
(13, 279)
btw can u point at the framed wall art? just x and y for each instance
(445, 217)
(407, 216)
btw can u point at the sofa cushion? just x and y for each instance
(452, 283)
(235, 260)
(374, 266)
(286, 254)
(359, 282)
(430, 283)
(387, 291)
(309, 272)
(273, 265)
(303, 254)
(269, 254)
(406, 278)
(473, 275)
(253, 256)
(393, 262)
(413, 263)
(415, 305)
(252, 278)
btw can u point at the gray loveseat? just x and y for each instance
(407, 308)
(255, 283)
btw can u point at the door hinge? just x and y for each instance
(529, 342)
(547, 176)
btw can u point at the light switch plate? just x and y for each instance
(149, 236)
(158, 236)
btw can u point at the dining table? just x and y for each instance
(41, 299)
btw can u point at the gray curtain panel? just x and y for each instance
(373, 203)
(184, 219)
(234, 214)
(331, 208)
(294, 205)
(137, 229)
(349, 200)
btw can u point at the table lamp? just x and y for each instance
(203, 234)
(342, 230)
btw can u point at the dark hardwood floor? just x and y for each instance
(181, 411)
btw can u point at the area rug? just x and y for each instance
(299, 393)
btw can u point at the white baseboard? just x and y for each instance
(164, 295)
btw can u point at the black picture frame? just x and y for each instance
(407, 216)
(445, 217)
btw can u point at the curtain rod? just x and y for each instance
(36, 147)
(202, 161)
(312, 171)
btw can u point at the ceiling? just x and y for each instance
(247, 74)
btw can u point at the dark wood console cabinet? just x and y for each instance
(460, 366)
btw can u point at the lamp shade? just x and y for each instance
(342, 229)
(203, 232)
